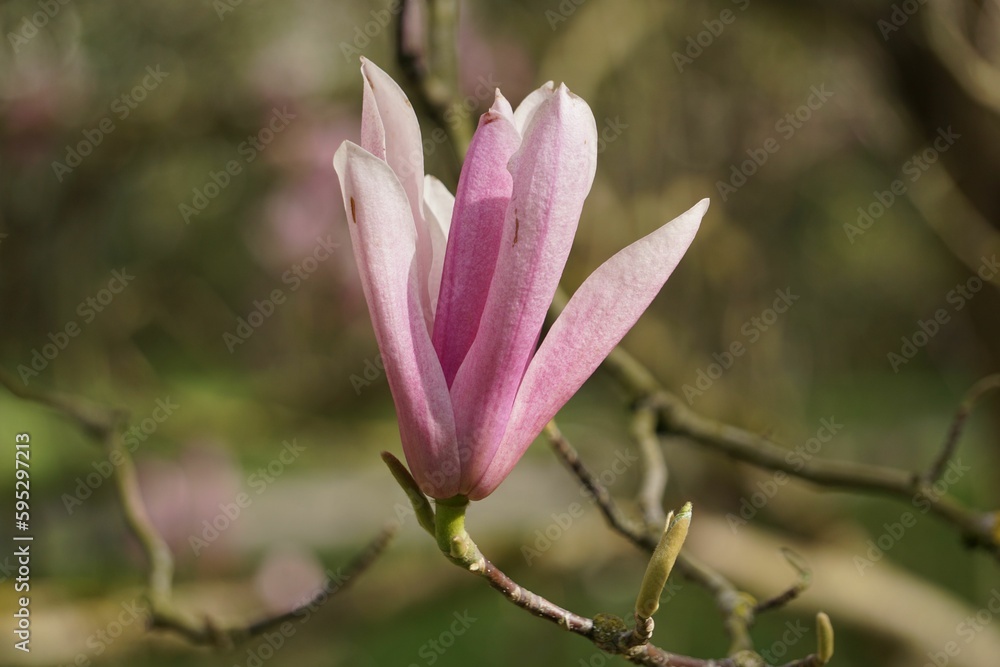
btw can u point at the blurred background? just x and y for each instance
(172, 240)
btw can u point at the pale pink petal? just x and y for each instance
(384, 239)
(484, 190)
(526, 109)
(389, 130)
(600, 313)
(438, 207)
(552, 172)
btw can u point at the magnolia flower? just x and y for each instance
(458, 287)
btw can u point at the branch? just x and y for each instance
(978, 390)
(607, 632)
(793, 591)
(655, 473)
(354, 568)
(979, 529)
(738, 607)
(104, 424)
(976, 75)
(428, 60)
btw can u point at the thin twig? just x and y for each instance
(429, 64)
(978, 390)
(654, 468)
(605, 631)
(105, 424)
(613, 514)
(736, 606)
(793, 591)
(979, 529)
(354, 569)
(976, 527)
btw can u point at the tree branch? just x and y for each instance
(978, 390)
(608, 632)
(738, 608)
(979, 529)
(428, 59)
(105, 424)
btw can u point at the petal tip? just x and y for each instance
(500, 102)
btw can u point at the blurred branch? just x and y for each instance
(654, 469)
(793, 591)
(978, 528)
(978, 390)
(105, 424)
(354, 568)
(975, 74)
(955, 220)
(738, 608)
(427, 56)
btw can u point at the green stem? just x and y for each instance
(421, 506)
(452, 538)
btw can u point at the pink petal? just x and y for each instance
(439, 205)
(526, 109)
(389, 130)
(384, 240)
(552, 172)
(600, 313)
(484, 189)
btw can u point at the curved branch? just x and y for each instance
(605, 630)
(105, 424)
(979, 529)
(738, 608)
